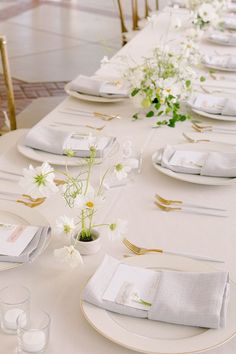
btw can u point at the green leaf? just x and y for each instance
(202, 79)
(150, 114)
(135, 116)
(188, 83)
(135, 91)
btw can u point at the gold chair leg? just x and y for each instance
(8, 83)
(134, 4)
(146, 9)
(157, 4)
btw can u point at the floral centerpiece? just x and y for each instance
(79, 194)
(162, 81)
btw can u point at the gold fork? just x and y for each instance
(191, 140)
(30, 204)
(180, 202)
(141, 251)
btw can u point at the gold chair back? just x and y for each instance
(8, 82)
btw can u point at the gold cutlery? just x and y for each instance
(203, 128)
(180, 202)
(141, 251)
(25, 199)
(103, 116)
(200, 211)
(191, 140)
(57, 123)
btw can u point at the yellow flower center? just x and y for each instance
(89, 204)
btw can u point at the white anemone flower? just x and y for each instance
(69, 256)
(117, 229)
(39, 181)
(65, 225)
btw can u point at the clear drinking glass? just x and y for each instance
(33, 332)
(14, 300)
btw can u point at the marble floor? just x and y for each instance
(52, 41)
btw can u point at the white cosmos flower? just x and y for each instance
(88, 201)
(65, 225)
(207, 12)
(69, 255)
(117, 229)
(122, 169)
(39, 181)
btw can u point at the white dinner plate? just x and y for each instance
(211, 181)
(15, 213)
(91, 98)
(154, 337)
(53, 159)
(214, 116)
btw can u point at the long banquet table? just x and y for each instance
(57, 289)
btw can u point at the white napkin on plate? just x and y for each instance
(213, 104)
(194, 299)
(56, 141)
(221, 61)
(232, 7)
(230, 22)
(33, 249)
(90, 86)
(213, 164)
(221, 37)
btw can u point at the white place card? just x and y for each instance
(135, 280)
(15, 238)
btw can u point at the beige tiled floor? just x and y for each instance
(58, 39)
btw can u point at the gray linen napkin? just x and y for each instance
(221, 37)
(213, 104)
(90, 86)
(56, 141)
(213, 164)
(33, 249)
(194, 299)
(220, 61)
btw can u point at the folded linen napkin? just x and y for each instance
(230, 22)
(221, 61)
(90, 86)
(56, 141)
(232, 7)
(213, 164)
(224, 38)
(213, 104)
(194, 299)
(33, 249)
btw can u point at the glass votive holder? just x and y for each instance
(33, 332)
(14, 301)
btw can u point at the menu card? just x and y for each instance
(132, 286)
(15, 238)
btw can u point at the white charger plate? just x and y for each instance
(53, 159)
(91, 98)
(15, 213)
(214, 116)
(154, 337)
(207, 146)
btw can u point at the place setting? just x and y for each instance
(53, 144)
(96, 89)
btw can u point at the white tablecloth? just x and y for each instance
(56, 289)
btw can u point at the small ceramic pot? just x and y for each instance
(89, 247)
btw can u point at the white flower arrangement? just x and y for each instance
(162, 81)
(207, 13)
(78, 193)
